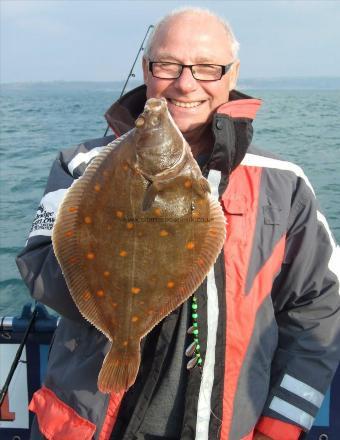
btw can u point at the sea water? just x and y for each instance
(38, 120)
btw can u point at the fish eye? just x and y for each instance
(139, 122)
(154, 121)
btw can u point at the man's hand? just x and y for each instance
(259, 436)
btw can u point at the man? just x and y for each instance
(268, 313)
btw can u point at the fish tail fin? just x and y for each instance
(119, 370)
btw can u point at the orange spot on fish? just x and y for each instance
(114, 304)
(97, 187)
(164, 233)
(125, 167)
(100, 293)
(212, 232)
(69, 233)
(135, 290)
(150, 312)
(123, 253)
(188, 184)
(170, 284)
(90, 256)
(106, 273)
(190, 245)
(157, 211)
(129, 225)
(200, 262)
(105, 173)
(72, 209)
(119, 214)
(73, 260)
(86, 295)
(88, 220)
(134, 318)
(125, 343)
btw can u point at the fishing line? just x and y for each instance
(214, 415)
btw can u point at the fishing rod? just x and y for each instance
(16, 360)
(131, 74)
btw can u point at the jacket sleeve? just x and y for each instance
(306, 300)
(36, 262)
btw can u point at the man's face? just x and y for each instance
(191, 39)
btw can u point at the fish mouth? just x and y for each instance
(185, 104)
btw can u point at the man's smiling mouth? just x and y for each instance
(191, 104)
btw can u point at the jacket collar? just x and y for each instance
(231, 125)
(122, 114)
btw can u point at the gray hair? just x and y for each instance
(235, 45)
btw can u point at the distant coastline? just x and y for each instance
(297, 83)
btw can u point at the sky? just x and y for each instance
(97, 40)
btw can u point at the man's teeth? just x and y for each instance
(186, 104)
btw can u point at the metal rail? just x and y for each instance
(42, 321)
(15, 362)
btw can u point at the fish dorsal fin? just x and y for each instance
(65, 240)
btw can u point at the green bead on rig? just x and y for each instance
(194, 315)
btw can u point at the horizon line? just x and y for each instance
(262, 78)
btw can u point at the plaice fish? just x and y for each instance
(135, 236)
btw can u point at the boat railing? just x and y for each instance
(43, 320)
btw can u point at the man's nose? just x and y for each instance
(186, 82)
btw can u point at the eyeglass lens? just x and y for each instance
(199, 71)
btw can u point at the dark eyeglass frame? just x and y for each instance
(224, 69)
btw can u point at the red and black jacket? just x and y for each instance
(269, 309)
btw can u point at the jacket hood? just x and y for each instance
(231, 125)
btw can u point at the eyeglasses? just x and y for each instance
(201, 72)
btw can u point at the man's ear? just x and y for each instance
(233, 75)
(145, 66)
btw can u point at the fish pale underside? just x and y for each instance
(135, 236)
